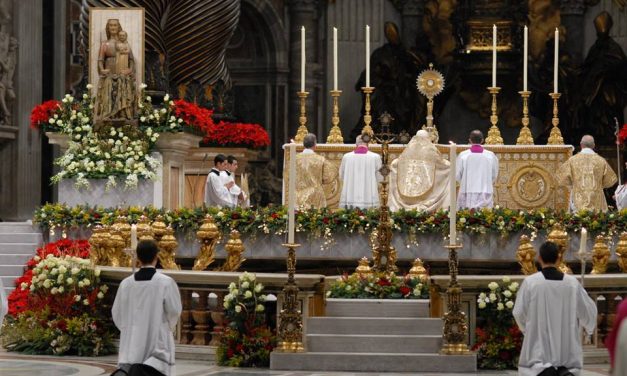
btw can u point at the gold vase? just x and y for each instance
(621, 252)
(600, 255)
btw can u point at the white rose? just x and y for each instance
(235, 292)
(97, 272)
(492, 297)
(232, 286)
(54, 291)
(509, 304)
(493, 286)
(482, 296)
(507, 293)
(248, 294)
(81, 284)
(51, 121)
(238, 308)
(100, 295)
(86, 301)
(89, 86)
(258, 287)
(77, 298)
(86, 282)
(482, 305)
(259, 308)
(166, 98)
(513, 287)
(500, 307)
(506, 279)
(142, 119)
(226, 304)
(245, 285)
(60, 290)
(69, 281)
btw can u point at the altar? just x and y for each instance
(526, 173)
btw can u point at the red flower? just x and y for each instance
(404, 290)
(241, 134)
(622, 134)
(194, 115)
(505, 355)
(42, 113)
(384, 282)
(230, 353)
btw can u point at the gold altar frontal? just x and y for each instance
(527, 173)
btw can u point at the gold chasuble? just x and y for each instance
(587, 174)
(312, 171)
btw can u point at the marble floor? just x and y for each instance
(22, 365)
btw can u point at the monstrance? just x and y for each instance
(430, 83)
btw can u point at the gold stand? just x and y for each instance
(455, 324)
(302, 119)
(368, 90)
(291, 326)
(525, 137)
(494, 134)
(335, 135)
(555, 138)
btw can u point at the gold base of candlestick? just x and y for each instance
(525, 137)
(302, 119)
(291, 320)
(335, 135)
(455, 323)
(367, 117)
(494, 134)
(555, 138)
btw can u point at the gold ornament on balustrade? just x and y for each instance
(559, 236)
(144, 230)
(430, 83)
(124, 228)
(335, 134)
(363, 267)
(117, 257)
(302, 119)
(97, 245)
(555, 138)
(419, 271)
(525, 137)
(234, 249)
(455, 322)
(158, 227)
(290, 330)
(494, 134)
(600, 255)
(167, 249)
(526, 256)
(621, 252)
(208, 235)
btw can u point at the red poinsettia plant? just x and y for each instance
(238, 134)
(622, 135)
(41, 114)
(194, 115)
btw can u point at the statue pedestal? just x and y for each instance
(60, 139)
(174, 147)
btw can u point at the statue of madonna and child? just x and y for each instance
(116, 98)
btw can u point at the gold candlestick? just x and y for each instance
(302, 119)
(335, 135)
(368, 90)
(494, 134)
(455, 323)
(525, 137)
(291, 320)
(555, 138)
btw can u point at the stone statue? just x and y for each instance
(116, 97)
(419, 177)
(8, 60)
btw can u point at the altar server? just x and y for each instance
(146, 310)
(313, 171)
(359, 172)
(476, 172)
(217, 189)
(551, 308)
(237, 195)
(587, 174)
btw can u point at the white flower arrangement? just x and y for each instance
(501, 296)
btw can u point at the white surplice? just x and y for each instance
(360, 177)
(4, 304)
(146, 313)
(216, 193)
(621, 197)
(235, 190)
(551, 314)
(476, 173)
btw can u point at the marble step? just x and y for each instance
(377, 308)
(21, 237)
(18, 248)
(373, 362)
(11, 269)
(368, 343)
(14, 258)
(17, 227)
(8, 281)
(374, 325)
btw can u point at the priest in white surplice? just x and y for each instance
(217, 187)
(359, 172)
(551, 308)
(476, 172)
(146, 309)
(228, 175)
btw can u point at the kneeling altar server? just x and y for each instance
(359, 172)
(477, 170)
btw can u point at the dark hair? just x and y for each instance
(476, 137)
(219, 158)
(549, 252)
(309, 141)
(231, 159)
(147, 251)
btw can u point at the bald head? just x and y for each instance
(359, 141)
(587, 141)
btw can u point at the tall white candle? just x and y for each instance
(556, 60)
(133, 237)
(583, 240)
(302, 58)
(367, 56)
(453, 193)
(493, 55)
(525, 58)
(292, 194)
(335, 58)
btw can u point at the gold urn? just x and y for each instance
(234, 248)
(122, 226)
(559, 236)
(419, 271)
(363, 268)
(97, 242)
(167, 249)
(526, 255)
(600, 255)
(621, 252)
(117, 248)
(158, 227)
(208, 234)
(144, 230)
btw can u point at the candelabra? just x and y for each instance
(335, 135)
(455, 323)
(302, 119)
(525, 137)
(494, 134)
(555, 138)
(291, 320)
(367, 117)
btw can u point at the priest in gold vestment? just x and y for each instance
(419, 177)
(587, 174)
(312, 172)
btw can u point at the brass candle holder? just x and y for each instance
(455, 323)
(525, 137)
(291, 320)
(494, 134)
(555, 138)
(368, 90)
(302, 119)
(335, 135)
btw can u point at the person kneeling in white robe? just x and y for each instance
(146, 309)
(359, 172)
(551, 308)
(477, 170)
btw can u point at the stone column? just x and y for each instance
(572, 18)
(27, 26)
(303, 13)
(412, 12)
